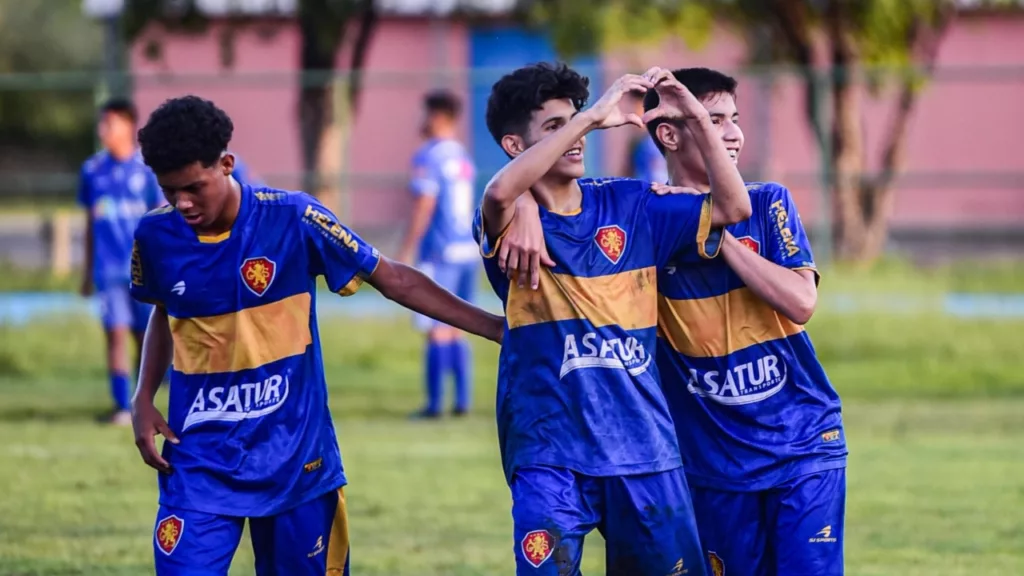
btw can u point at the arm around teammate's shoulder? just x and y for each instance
(417, 292)
(731, 202)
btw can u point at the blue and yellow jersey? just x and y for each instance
(577, 385)
(750, 401)
(248, 399)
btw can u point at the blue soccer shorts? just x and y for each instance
(119, 310)
(459, 279)
(647, 521)
(309, 540)
(795, 529)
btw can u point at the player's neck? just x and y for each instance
(562, 197)
(443, 134)
(679, 176)
(227, 217)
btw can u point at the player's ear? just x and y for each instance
(227, 163)
(513, 145)
(668, 135)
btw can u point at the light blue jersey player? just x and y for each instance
(232, 271)
(760, 426)
(115, 189)
(586, 437)
(440, 241)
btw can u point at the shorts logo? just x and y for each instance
(678, 569)
(824, 536)
(716, 563)
(168, 533)
(612, 242)
(537, 547)
(749, 242)
(830, 436)
(258, 274)
(314, 465)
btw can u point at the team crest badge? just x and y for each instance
(537, 547)
(612, 242)
(168, 533)
(258, 274)
(717, 566)
(749, 242)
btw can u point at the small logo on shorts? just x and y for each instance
(314, 465)
(830, 436)
(824, 536)
(318, 548)
(716, 563)
(537, 547)
(678, 569)
(168, 533)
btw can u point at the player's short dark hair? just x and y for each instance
(517, 95)
(122, 107)
(443, 102)
(701, 82)
(183, 131)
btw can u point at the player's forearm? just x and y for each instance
(785, 290)
(516, 178)
(157, 350)
(421, 215)
(415, 291)
(729, 192)
(87, 266)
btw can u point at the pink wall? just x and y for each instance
(960, 127)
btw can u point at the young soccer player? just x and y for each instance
(116, 189)
(440, 239)
(585, 434)
(232, 271)
(760, 425)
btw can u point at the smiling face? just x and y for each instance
(551, 116)
(678, 141)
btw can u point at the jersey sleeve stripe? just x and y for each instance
(487, 249)
(249, 338)
(720, 325)
(357, 281)
(704, 230)
(626, 299)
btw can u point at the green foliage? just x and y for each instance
(40, 36)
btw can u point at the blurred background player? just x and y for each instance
(440, 241)
(116, 189)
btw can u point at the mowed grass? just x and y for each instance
(934, 409)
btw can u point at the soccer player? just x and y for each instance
(759, 423)
(585, 433)
(116, 189)
(232, 273)
(440, 240)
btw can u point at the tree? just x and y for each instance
(862, 38)
(324, 27)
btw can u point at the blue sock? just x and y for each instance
(461, 362)
(121, 390)
(436, 365)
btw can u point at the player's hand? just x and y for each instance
(147, 422)
(522, 251)
(665, 189)
(675, 101)
(607, 112)
(87, 288)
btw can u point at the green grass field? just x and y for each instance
(934, 409)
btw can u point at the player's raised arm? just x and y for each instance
(728, 191)
(531, 162)
(786, 276)
(346, 261)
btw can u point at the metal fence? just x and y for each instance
(962, 182)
